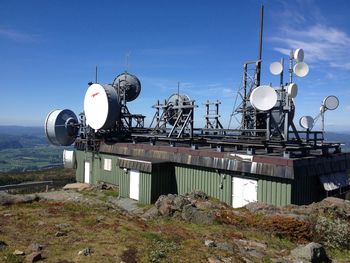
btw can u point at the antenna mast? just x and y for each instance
(258, 68)
(96, 74)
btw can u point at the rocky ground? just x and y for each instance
(94, 225)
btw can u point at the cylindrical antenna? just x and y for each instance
(260, 45)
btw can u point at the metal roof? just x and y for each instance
(140, 163)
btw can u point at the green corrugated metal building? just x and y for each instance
(233, 180)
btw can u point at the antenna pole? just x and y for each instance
(281, 76)
(322, 119)
(96, 74)
(291, 66)
(260, 45)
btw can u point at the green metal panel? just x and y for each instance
(274, 191)
(98, 174)
(189, 178)
(145, 188)
(79, 173)
(124, 184)
(111, 177)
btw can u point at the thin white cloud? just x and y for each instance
(321, 43)
(17, 36)
(301, 24)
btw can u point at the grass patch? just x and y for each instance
(341, 255)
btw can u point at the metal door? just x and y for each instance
(134, 184)
(244, 191)
(87, 173)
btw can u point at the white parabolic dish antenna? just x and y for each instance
(263, 98)
(301, 69)
(101, 106)
(292, 90)
(331, 102)
(299, 55)
(307, 122)
(276, 68)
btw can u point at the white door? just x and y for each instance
(87, 173)
(134, 184)
(244, 191)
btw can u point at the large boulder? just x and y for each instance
(8, 199)
(192, 214)
(167, 205)
(312, 252)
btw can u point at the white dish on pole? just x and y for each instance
(299, 55)
(263, 98)
(307, 122)
(331, 102)
(292, 90)
(276, 68)
(301, 69)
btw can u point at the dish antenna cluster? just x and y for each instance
(329, 103)
(105, 111)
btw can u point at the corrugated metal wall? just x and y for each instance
(181, 179)
(79, 173)
(98, 174)
(274, 191)
(306, 189)
(145, 188)
(189, 178)
(124, 184)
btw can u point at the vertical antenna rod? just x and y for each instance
(96, 74)
(260, 45)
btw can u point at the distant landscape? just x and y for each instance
(27, 149)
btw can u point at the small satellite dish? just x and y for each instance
(101, 106)
(61, 127)
(292, 90)
(331, 102)
(307, 122)
(276, 68)
(299, 55)
(263, 98)
(301, 69)
(69, 159)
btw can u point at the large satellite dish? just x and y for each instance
(276, 68)
(175, 102)
(263, 98)
(301, 69)
(292, 90)
(129, 83)
(101, 106)
(307, 122)
(299, 55)
(331, 102)
(61, 127)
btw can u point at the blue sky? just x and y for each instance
(49, 50)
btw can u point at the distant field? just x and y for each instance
(27, 149)
(29, 159)
(59, 176)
